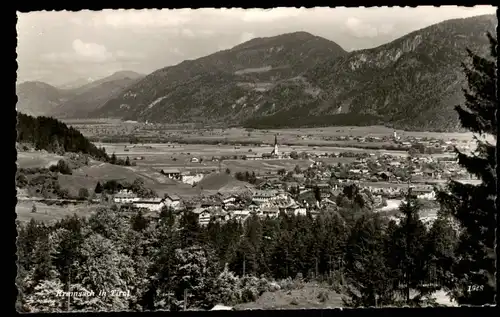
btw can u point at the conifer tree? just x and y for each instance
(407, 256)
(98, 188)
(368, 278)
(473, 206)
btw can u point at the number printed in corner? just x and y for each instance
(475, 288)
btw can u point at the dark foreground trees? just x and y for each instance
(474, 206)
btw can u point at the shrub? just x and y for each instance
(323, 296)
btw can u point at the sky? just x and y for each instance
(60, 47)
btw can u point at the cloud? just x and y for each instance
(91, 51)
(359, 28)
(143, 18)
(270, 15)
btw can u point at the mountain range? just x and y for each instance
(37, 98)
(297, 80)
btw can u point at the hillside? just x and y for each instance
(37, 98)
(298, 79)
(229, 85)
(412, 83)
(223, 183)
(54, 136)
(91, 96)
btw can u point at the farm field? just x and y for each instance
(152, 178)
(160, 155)
(264, 166)
(113, 126)
(46, 213)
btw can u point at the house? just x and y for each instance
(424, 193)
(267, 156)
(172, 201)
(327, 203)
(153, 204)
(324, 188)
(253, 157)
(385, 176)
(266, 185)
(270, 211)
(204, 216)
(125, 196)
(429, 173)
(264, 196)
(172, 173)
(254, 208)
(228, 198)
(241, 215)
(292, 208)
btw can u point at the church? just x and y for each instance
(275, 153)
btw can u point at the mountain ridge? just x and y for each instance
(412, 82)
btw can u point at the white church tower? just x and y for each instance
(275, 150)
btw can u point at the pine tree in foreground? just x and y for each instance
(369, 280)
(408, 258)
(473, 206)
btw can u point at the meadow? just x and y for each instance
(39, 159)
(50, 213)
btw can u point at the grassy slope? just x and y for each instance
(303, 298)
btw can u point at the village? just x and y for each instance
(382, 176)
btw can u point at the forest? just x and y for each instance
(370, 259)
(50, 134)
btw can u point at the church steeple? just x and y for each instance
(275, 150)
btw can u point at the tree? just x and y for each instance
(440, 245)
(63, 167)
(408, 258)
(228, 171)
(369, 281)
(297, 169)
(127, 161)
(317, 193)
(33, 208)
(139, 222)
(98, 188)
(473, 206)
(103, 268)
(45, 297)
(113, 159)
(83, 193)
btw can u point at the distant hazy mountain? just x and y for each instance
(91, 96)
(299, 79)
(76, 83)
(36, 98)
